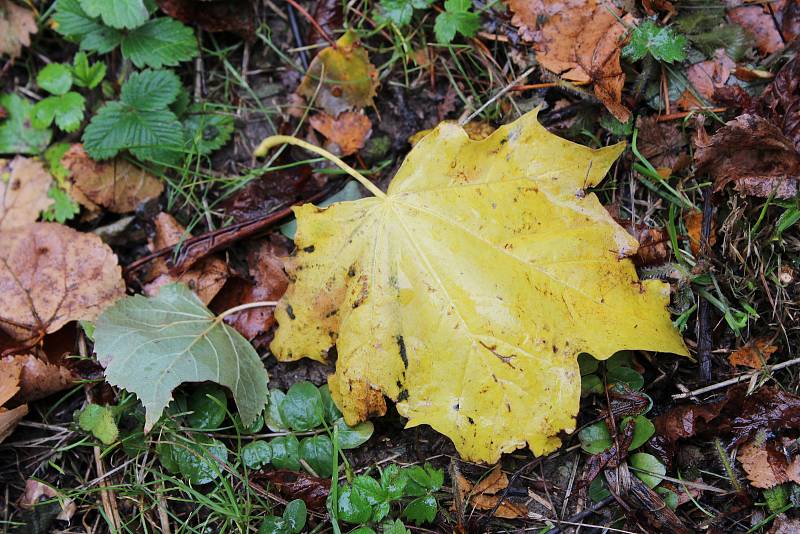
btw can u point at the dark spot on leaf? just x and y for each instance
(402, 346)
(309, 249)
(403, 395)
(290, 312)
(470, 420)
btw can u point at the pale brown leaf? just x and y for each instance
(347, 132)
(24, 184)
(38, 378)
(17, 24)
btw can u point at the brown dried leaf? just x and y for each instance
(785, 525)
(272, 191)
(237, 16)
(346, 133)
(36, 491)
(9, 386)
(753, 153)
(579, 41)
(753, 355)
(24, 184)
(206, 277)
(757, 21)
(292, 485)
(38, 378)
(780, 101)
(483, 495)
(653, 244)
(706, 77)
(17, 24)
(694, 227)
(766, 466)
(662, 143)
(50, 275)
(268, 281)
(117, 185)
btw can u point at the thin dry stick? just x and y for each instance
(500, 93)
(734, 380)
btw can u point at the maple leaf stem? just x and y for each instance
(242, 307)
(275, 140)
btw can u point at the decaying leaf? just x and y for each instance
(662, 143)
(267, 282)
(38, 378)
(116, 184)
(24, 184)
(237, 16)
(206, 277)
(754, 354)
(293, 485)
(579, 40)
(344, 76)
(9, 386)
(766, 465)
(706, 77)
(653, 243)
(485, 494)
(51, 274)
(758, 21)
(467, 292)
(694, 228)
(17, 24)
(348, 132)
(785, 525)
(151, 346)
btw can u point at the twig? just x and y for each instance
(500, 93)
(320, 30)
(704, 339)
(684, 114)
(733, 381)
(584, 513)
(298, 37)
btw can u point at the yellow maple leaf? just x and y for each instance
(467, 291)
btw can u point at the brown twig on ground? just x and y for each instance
(320, 30)
(704, 338)
(583, 514)
(684, 114)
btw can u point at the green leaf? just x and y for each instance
(295, 515)
(166, 455)
(85, 75)
(394, 527)
(149, 346)
(642, 432)
(253, 428)
(256, 454)
(587, 364)
(331, 412)
(625, 375)
(351, 437)
(207, 132)
(118, 14)
(591, 384)
(199, 461)
(777, 498)
(150, 90)
(274, 525)
(317, 452)
(273, 416)
(421, 510)
(362, 530)
(150, 135)
(597, 490)
(399, 12)
(74, 23)
(302, 408)
(353, 505)
(160, 42)
(17, 134)
(595, 438)
(669, 497)
(663, 43)
(53, 156)
(393, 482)
(55, 78)
(457, 18)
(423, 479)
(63, 207)
(286, 452)
(69, 111)
(207, 405)
(647, 468)
(99, 420)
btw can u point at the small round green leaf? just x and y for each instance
(669, 497)
(597, 490)
(99, 420)
(274, 525)
(330, 410)
(623, 358)
(207, 405)
(295, 515)
(647, 468)
(302, 408)
(587, 364)
(166, 455)
(595, 438)
(55, 78)
(286, 452)
(642, 432)
(626, 375)
(591, 384)
(256, 454)
(355, 436)
(199, 461)
(421, 510)
(273, 416)
(317, 452)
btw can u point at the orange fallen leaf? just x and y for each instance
(24, 184)
(348, 132)
(753, 355)
(580, 41)
(705, 77)
(205, 278)
(766, 466)
(38, 378)
(9, 386)
(50, 275)
(17, 24)
(484, 494)
(116, 184)
(694, 228)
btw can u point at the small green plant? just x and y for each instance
(456, 18)
(660, 42)
(368, 501)
(101, 27)
(63, 207)
(292, 521)
(100, 422)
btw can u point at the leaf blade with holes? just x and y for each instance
(150, 346)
